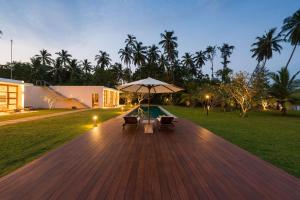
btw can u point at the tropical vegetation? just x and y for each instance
(262, 89)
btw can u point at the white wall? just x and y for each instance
(81, 93)
(43, 97)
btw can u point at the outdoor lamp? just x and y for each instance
(207, 103)
(95, 118)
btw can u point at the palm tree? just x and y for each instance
(153, 54)
(265, 45)
(64, 56)
(291, 30)
(199, 59)
(44, 57)
(139, 54)
(117, 73)
(130, 40)
(211, 52)
(57, 70)
(188, 63)
(164, 66)
(224, 74)
(284, 86)
(226, 51)
(74, 69)
(126, 55)
(103, 59)
(169, 44)
(86, 66)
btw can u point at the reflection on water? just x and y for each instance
(142, 111)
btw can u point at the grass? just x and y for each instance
(29, 114)
(269, 135)
(23, 142)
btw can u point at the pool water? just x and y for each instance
(155, 112)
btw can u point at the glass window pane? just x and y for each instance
(13, 95)
(3, 95)
(3, 88)
(12, 89)
(12, 101)
(11, 107)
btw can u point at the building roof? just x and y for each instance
(6, 80)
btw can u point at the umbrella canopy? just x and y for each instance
(149, 85)
(143, 86)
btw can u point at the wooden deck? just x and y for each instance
(186, 163)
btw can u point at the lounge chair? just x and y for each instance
(131, 120)
(165, 121)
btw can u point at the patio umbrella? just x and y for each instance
(149, 85)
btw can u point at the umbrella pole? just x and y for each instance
(149, 88)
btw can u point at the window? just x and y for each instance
(8, 97)
(110, 98)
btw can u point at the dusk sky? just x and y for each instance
(85, 27)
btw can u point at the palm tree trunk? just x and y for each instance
(264, 64)
(287, 64)
(212, 69)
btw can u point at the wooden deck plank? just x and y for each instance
(188, 162)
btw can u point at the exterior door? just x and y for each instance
(95, 100)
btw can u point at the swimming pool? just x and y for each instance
(155, 112)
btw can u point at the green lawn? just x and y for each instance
(29, 114)
(23, 142)
(269, 135)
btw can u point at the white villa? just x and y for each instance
(17, 95)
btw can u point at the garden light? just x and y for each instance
(95, 118)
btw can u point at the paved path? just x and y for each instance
(186, 163)
(27, 119)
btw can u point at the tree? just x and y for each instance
(188, 63)
(130, 40)
(44, 57)
(65, 57)
(199, 60)
(126, 55)
(260, 83)
(87, 68)
(139, 54)
(103, 60)
(265, 45)
(116, 72)
(240, 90)
(291, 31)
(226, 51)
(153, 54)
(75, 71)
(224, 74)
(169, 44)
(37, 73)
(45, 61)
(1, 33)
(57, 71)
(211, 52)
(283, 86)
